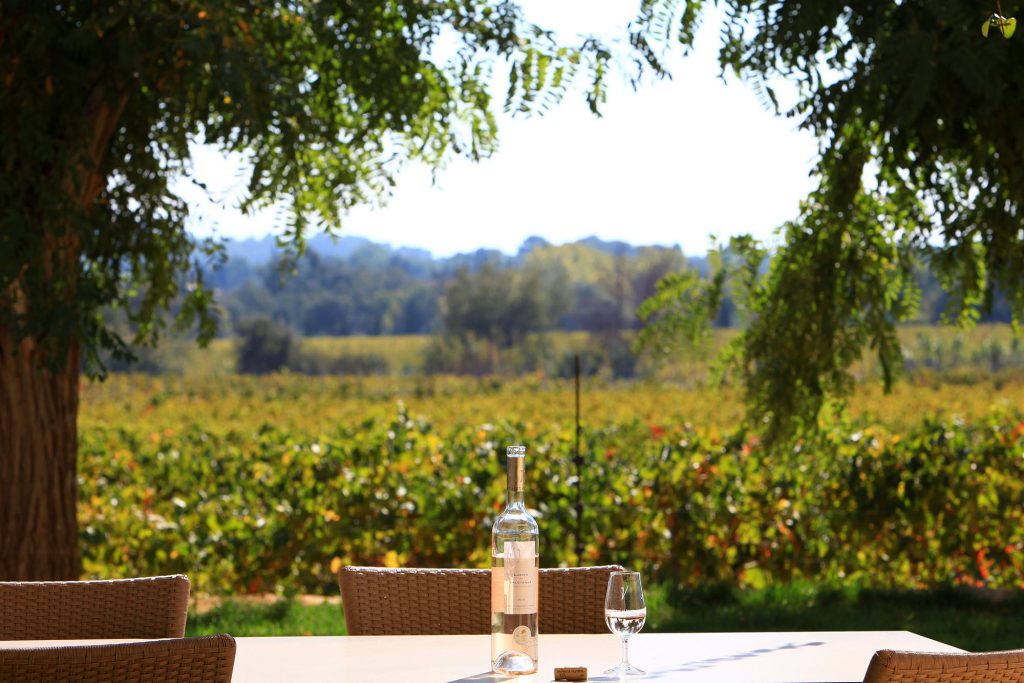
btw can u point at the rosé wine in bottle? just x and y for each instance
(514, 581)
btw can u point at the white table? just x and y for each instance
(799, 657)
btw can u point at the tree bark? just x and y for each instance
(38, 474)
(39, 397)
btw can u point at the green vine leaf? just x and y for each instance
(1005, 25)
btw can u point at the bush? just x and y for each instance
(249, 509)
(470, 356)
(264, 345)
(147, 361)
(608, 353)
(360, 364)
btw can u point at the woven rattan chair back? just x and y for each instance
(890, 666)
(179, 660)
(58, 610)
(572, 600)
(413, 601)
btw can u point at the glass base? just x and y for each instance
(513, 664)
(625, 669)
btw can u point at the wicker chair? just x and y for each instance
(889, 666)
(413, 601)
(60, 610)
(180, 660)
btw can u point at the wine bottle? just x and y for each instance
(514, 586)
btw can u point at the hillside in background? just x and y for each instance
(261, 251)
(352, 285)
(355, 307)
(258, 252)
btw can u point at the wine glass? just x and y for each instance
(625, 612)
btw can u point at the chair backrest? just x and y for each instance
(210, 659)
(155, 607)
(891, 666)
(572, 600)
(413, 601)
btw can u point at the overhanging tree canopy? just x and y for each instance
(921, 141)
(100, 103)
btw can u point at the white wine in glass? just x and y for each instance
(625, 613)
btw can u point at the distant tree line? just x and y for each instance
(484, 309)
(590, 285)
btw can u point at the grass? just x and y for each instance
(282, 618)
(950, 616)
(965, 620)
(946, 345)
(303, 405)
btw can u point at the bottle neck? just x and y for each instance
(516, 479)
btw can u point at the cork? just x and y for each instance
(570, 673)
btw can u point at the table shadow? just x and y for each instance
(698, 664)
(486, 677)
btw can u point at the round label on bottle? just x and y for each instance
(522, 635)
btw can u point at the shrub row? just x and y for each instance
(267, 509)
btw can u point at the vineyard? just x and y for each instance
(958, 356)
(270, 484)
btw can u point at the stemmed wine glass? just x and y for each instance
(625, 612)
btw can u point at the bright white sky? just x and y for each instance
(674, 163)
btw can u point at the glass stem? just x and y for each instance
(625, 652)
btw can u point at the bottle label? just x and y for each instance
(520, 580)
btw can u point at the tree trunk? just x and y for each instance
(39, 397)
(38, 464)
